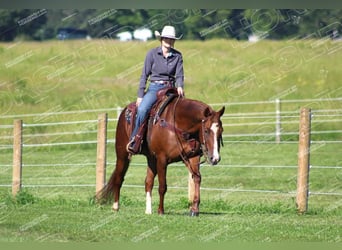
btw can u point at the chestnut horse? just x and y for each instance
(186, 130)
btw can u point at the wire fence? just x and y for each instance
(261, 122)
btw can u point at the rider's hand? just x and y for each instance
(139, 99)
(180, 91)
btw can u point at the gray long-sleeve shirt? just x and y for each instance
(158, 68)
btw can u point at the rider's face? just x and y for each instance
(168, 42)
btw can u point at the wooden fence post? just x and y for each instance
(101, 152)
(17, 156)
(303, 160)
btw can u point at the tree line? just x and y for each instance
(197, 24)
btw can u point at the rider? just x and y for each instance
(164, 67)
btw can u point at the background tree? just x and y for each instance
(24, 23)
(199, 24)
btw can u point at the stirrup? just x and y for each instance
(130, 146)
(133, 147)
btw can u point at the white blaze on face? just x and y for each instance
(148, 203)
(214, 128)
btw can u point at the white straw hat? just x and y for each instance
(167, 32)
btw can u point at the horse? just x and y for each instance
(186, 130)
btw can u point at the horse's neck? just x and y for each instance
(190, 113)
(195, 108)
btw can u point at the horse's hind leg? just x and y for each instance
(122, 164)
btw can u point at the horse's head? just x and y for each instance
(211, 137)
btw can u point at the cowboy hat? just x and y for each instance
(167, 32)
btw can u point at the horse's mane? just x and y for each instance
(196, 106)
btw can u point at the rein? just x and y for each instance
(185, 135)
(204, 146)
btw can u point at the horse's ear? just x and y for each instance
(207, 112)
(221, 111)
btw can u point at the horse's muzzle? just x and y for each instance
(214, 160)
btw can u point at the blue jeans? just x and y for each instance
(146, 104)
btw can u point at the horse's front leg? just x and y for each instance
(191, 189)
(194, 170)
(149, 182)
(161, 170)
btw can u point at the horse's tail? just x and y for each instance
(106, 194)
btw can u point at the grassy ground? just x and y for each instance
(243, 204)
(75, 220)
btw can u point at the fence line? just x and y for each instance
(57, 133)
(6, 147)
(59, 144)
(275, 100)
(174, 164)
(118, 109)
(249, 115)
(58, 165)
(230, 116)
(57, 123)
(230, 190)
(6, 126)
(257, 123)
(333, 113)
(60, 113)
(283, 142)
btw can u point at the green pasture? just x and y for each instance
(78, 75)
(238, 203)
(66, 76)
(249, 196)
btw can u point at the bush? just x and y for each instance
(24, 197)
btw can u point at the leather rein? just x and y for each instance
(186, 136)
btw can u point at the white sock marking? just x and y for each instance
(148, 203)
(116, 206)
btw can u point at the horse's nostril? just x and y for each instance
(213, 161)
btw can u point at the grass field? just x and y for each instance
(249, 196)
(244, 204)
(69, 75)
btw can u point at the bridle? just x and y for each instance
(204, 146)
(203, 140)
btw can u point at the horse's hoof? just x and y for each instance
(115, 206)
(193, 213)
